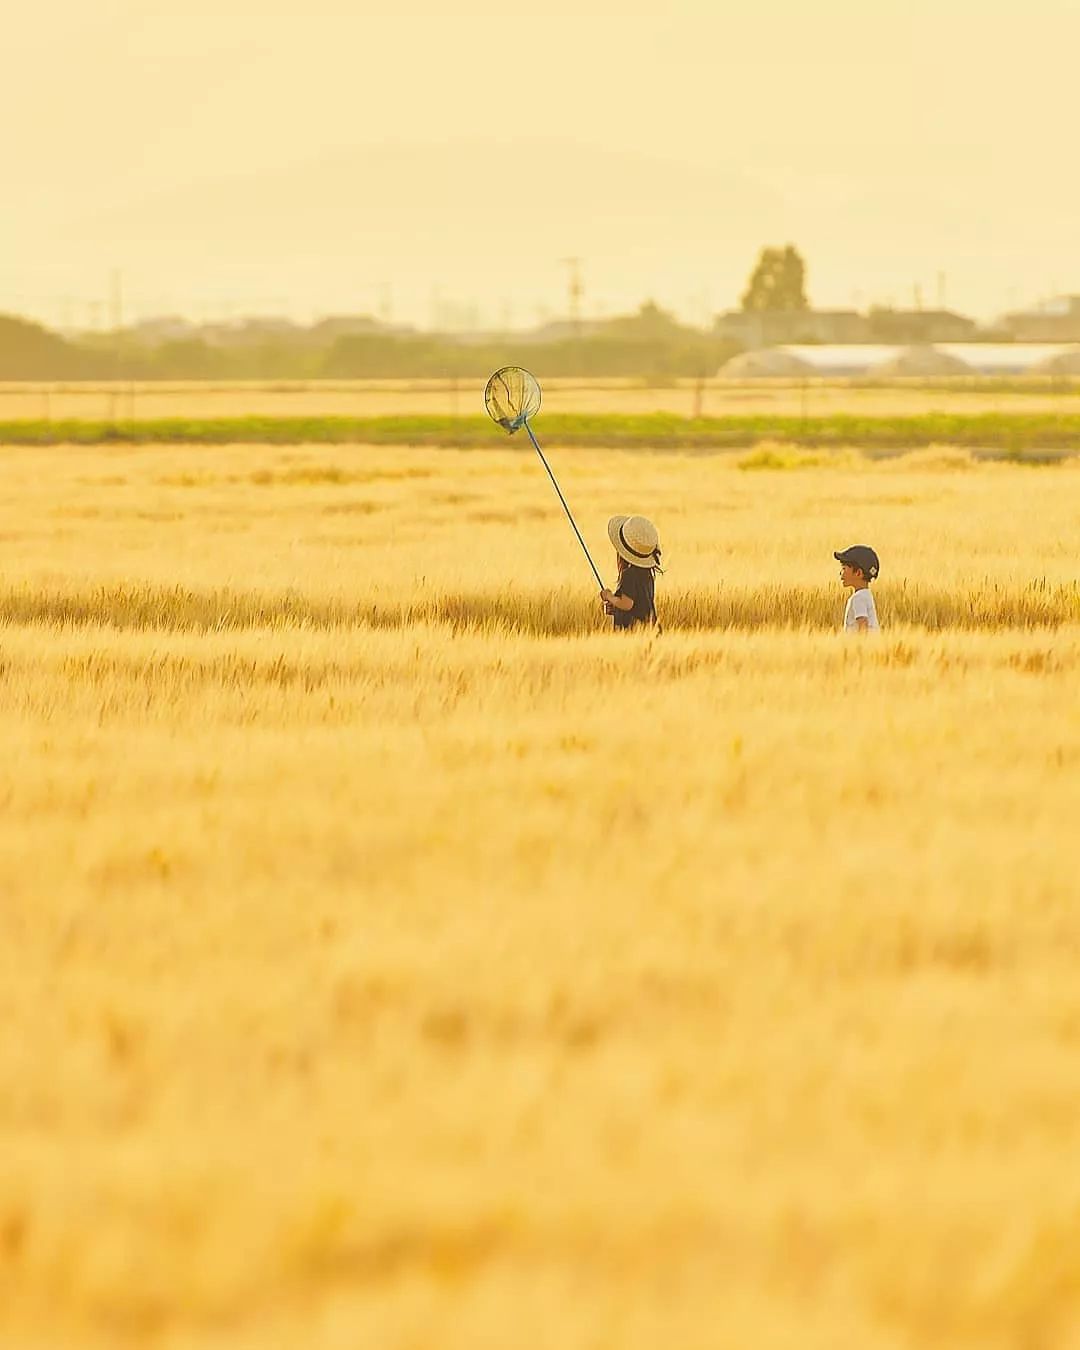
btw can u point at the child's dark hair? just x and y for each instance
(624, 563)
(862, 559)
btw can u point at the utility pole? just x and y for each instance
(116, 319)
(575, 290)
(116, 305)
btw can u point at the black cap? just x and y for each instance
(862, 557)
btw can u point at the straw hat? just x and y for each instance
(635, 539)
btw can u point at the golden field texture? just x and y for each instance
(390, 956)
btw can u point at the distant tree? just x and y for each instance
(777, 283)
(30, 352)
(188, 359)
(650, 344)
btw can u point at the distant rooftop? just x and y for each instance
(1057, 307)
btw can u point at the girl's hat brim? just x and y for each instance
(625, 550)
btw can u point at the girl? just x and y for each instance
(637, 551)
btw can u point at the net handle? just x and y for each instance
(569, 516)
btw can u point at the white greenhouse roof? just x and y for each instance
(854, 359)
(840, 358)
(1004, 358)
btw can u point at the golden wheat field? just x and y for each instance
(392, 957)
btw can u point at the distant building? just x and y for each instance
(911, 326)
(1056, 320)
(166, 328)
(649, 324)
(772, 328)
(251, 332)
(558, 330)
(563, 330)
(327, 331)
(899, 327)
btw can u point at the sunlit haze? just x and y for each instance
(404, 160)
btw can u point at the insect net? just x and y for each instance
(512, 396)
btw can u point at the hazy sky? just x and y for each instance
(324, 157)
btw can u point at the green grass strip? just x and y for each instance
(1011, 433)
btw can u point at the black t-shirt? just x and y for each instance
(637, 584)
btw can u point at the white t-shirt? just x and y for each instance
(860, 605)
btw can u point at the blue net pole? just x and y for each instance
(569, 517)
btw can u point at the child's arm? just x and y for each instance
(622, 602)
(862, 624)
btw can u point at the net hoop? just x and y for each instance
(512, 397)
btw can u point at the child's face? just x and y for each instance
(850, 576)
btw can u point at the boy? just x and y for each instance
(858, 568)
